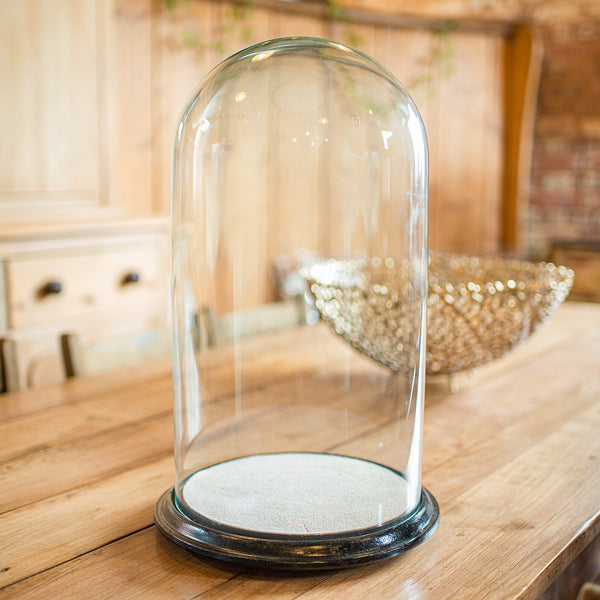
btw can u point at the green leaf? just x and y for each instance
(189, 38)
(246, 33)
(219, 47)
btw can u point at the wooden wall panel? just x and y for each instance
(177, 68)
(124, 31)
(522, 70)
(294, 24)
(97, 86)
(296, 208)
(49, 100)
(409, 56)
(493, 149)
(459, 97)
(461, 149)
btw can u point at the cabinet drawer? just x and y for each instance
(47, 288)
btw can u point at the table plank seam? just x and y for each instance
(510, 425)
(126, 425)
(155, 416)
(73, 558)
(105, 476)
(83, 396)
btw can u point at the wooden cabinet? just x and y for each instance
(91, 279)
(43, 288)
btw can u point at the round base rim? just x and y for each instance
(296, 552)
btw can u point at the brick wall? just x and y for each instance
(565, 179)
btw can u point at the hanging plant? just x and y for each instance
(437, 64)
(236, 22)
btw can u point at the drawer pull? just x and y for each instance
(52, 287)
(132, 277)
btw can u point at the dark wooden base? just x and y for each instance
(295, 552)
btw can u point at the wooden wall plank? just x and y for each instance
(522, 69)
(49, 104)
(492, 149)
(409, 57)
(293, 24)
(127, 81)
(458, 162)
(178, 67)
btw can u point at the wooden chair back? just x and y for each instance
(112, 353)
(9, 375)
(216, 329)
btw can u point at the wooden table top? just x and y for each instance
(513, 459)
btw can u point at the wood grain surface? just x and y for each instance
(512, 458)
(95, 88)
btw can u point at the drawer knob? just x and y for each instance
(132, 277)
(52, 287)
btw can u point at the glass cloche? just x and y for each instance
(299, 221)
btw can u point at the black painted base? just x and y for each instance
(296, 552)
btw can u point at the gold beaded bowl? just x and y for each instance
(478, 309)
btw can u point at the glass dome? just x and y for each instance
(299, 283)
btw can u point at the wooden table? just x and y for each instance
(513, 458)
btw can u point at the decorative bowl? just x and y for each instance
(478, 309)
